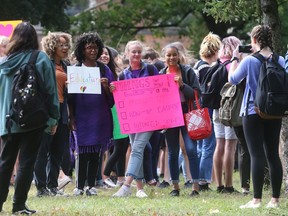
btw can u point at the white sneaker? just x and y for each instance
(124, 191)
(272, 205)
(120, 183)
(251, 204)
(91, 191)
(110, 183)
(141, 194)
(62, 182)
(78, 192)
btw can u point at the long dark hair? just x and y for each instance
(112, 64)
(263, 35)
(87, 38)
(23, 38)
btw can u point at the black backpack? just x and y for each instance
(271, 99)
(28, 107)
(212, 83)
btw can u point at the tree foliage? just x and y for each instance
(49, 13)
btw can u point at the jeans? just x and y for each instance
(172, 138)
(182, 162)
(27, 145)
(205, 149)
(135, 164)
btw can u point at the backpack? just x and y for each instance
(271, 99)
(212, 83)
(230, 105)
(28, 108)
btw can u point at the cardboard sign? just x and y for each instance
(7, 27)
(148, 104)
(83, 80)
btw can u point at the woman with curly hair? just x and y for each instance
(56, 45)
(262, 135)
(90, 114)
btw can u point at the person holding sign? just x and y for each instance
(188, 82)
(90, 114)
(136, 69)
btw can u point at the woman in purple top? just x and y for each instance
(262, 135)
(90, 114)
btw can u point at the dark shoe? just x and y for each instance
(220, 189)
(229, 190)
(55, 192)
(164, 184)
(194, 193)
(22, 210)
(175, 193)
(204, 187)
(1, 206)
(188, 184)
(42, 192)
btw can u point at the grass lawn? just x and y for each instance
(158, 203)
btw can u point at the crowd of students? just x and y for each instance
(101, 154)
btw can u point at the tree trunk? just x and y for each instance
(270, 17)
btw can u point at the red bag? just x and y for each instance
(198, 122)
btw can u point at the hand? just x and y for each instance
(53, 129)
(236, 53)
(104, 82)
(112, 87)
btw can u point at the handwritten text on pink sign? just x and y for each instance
(148, 103)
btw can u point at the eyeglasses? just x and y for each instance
(90, 48)
(63, 45)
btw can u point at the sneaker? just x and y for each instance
(272, 205)
(175, 192)
(62, 182)
(220, 189)
(22, 210)
(251, 204)
(110, 183)
(194, 193)
(120, 183)
(204, 187)
(245, 191)
(188, 184)
(56, 192)
(229, 190)
(42, 192)
(152, 183)
(164, 184)
(78, 192)
(124, 191)
(91, 191)
(141, 194)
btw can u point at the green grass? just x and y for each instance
(158, 203)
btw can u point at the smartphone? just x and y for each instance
(245, 49)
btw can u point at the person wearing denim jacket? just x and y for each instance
(136, 69)
(188, 83)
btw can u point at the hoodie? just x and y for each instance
(46, 70)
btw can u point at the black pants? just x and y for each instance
(27, 144)
(118, 157)
(87, 169)
(262, 138)
(50, 158)
(244, 162)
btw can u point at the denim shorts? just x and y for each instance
(222, 131)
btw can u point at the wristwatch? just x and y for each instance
(235, 59)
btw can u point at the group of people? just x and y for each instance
(91, 121)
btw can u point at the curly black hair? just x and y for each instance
(263, 34)
(87, 38)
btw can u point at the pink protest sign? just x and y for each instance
(148, 103)
(7, 27)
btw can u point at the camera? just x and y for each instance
(245, 49)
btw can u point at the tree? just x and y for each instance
(49, 13)
(265, 11)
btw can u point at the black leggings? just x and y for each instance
(118, 157)
(262, 138)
